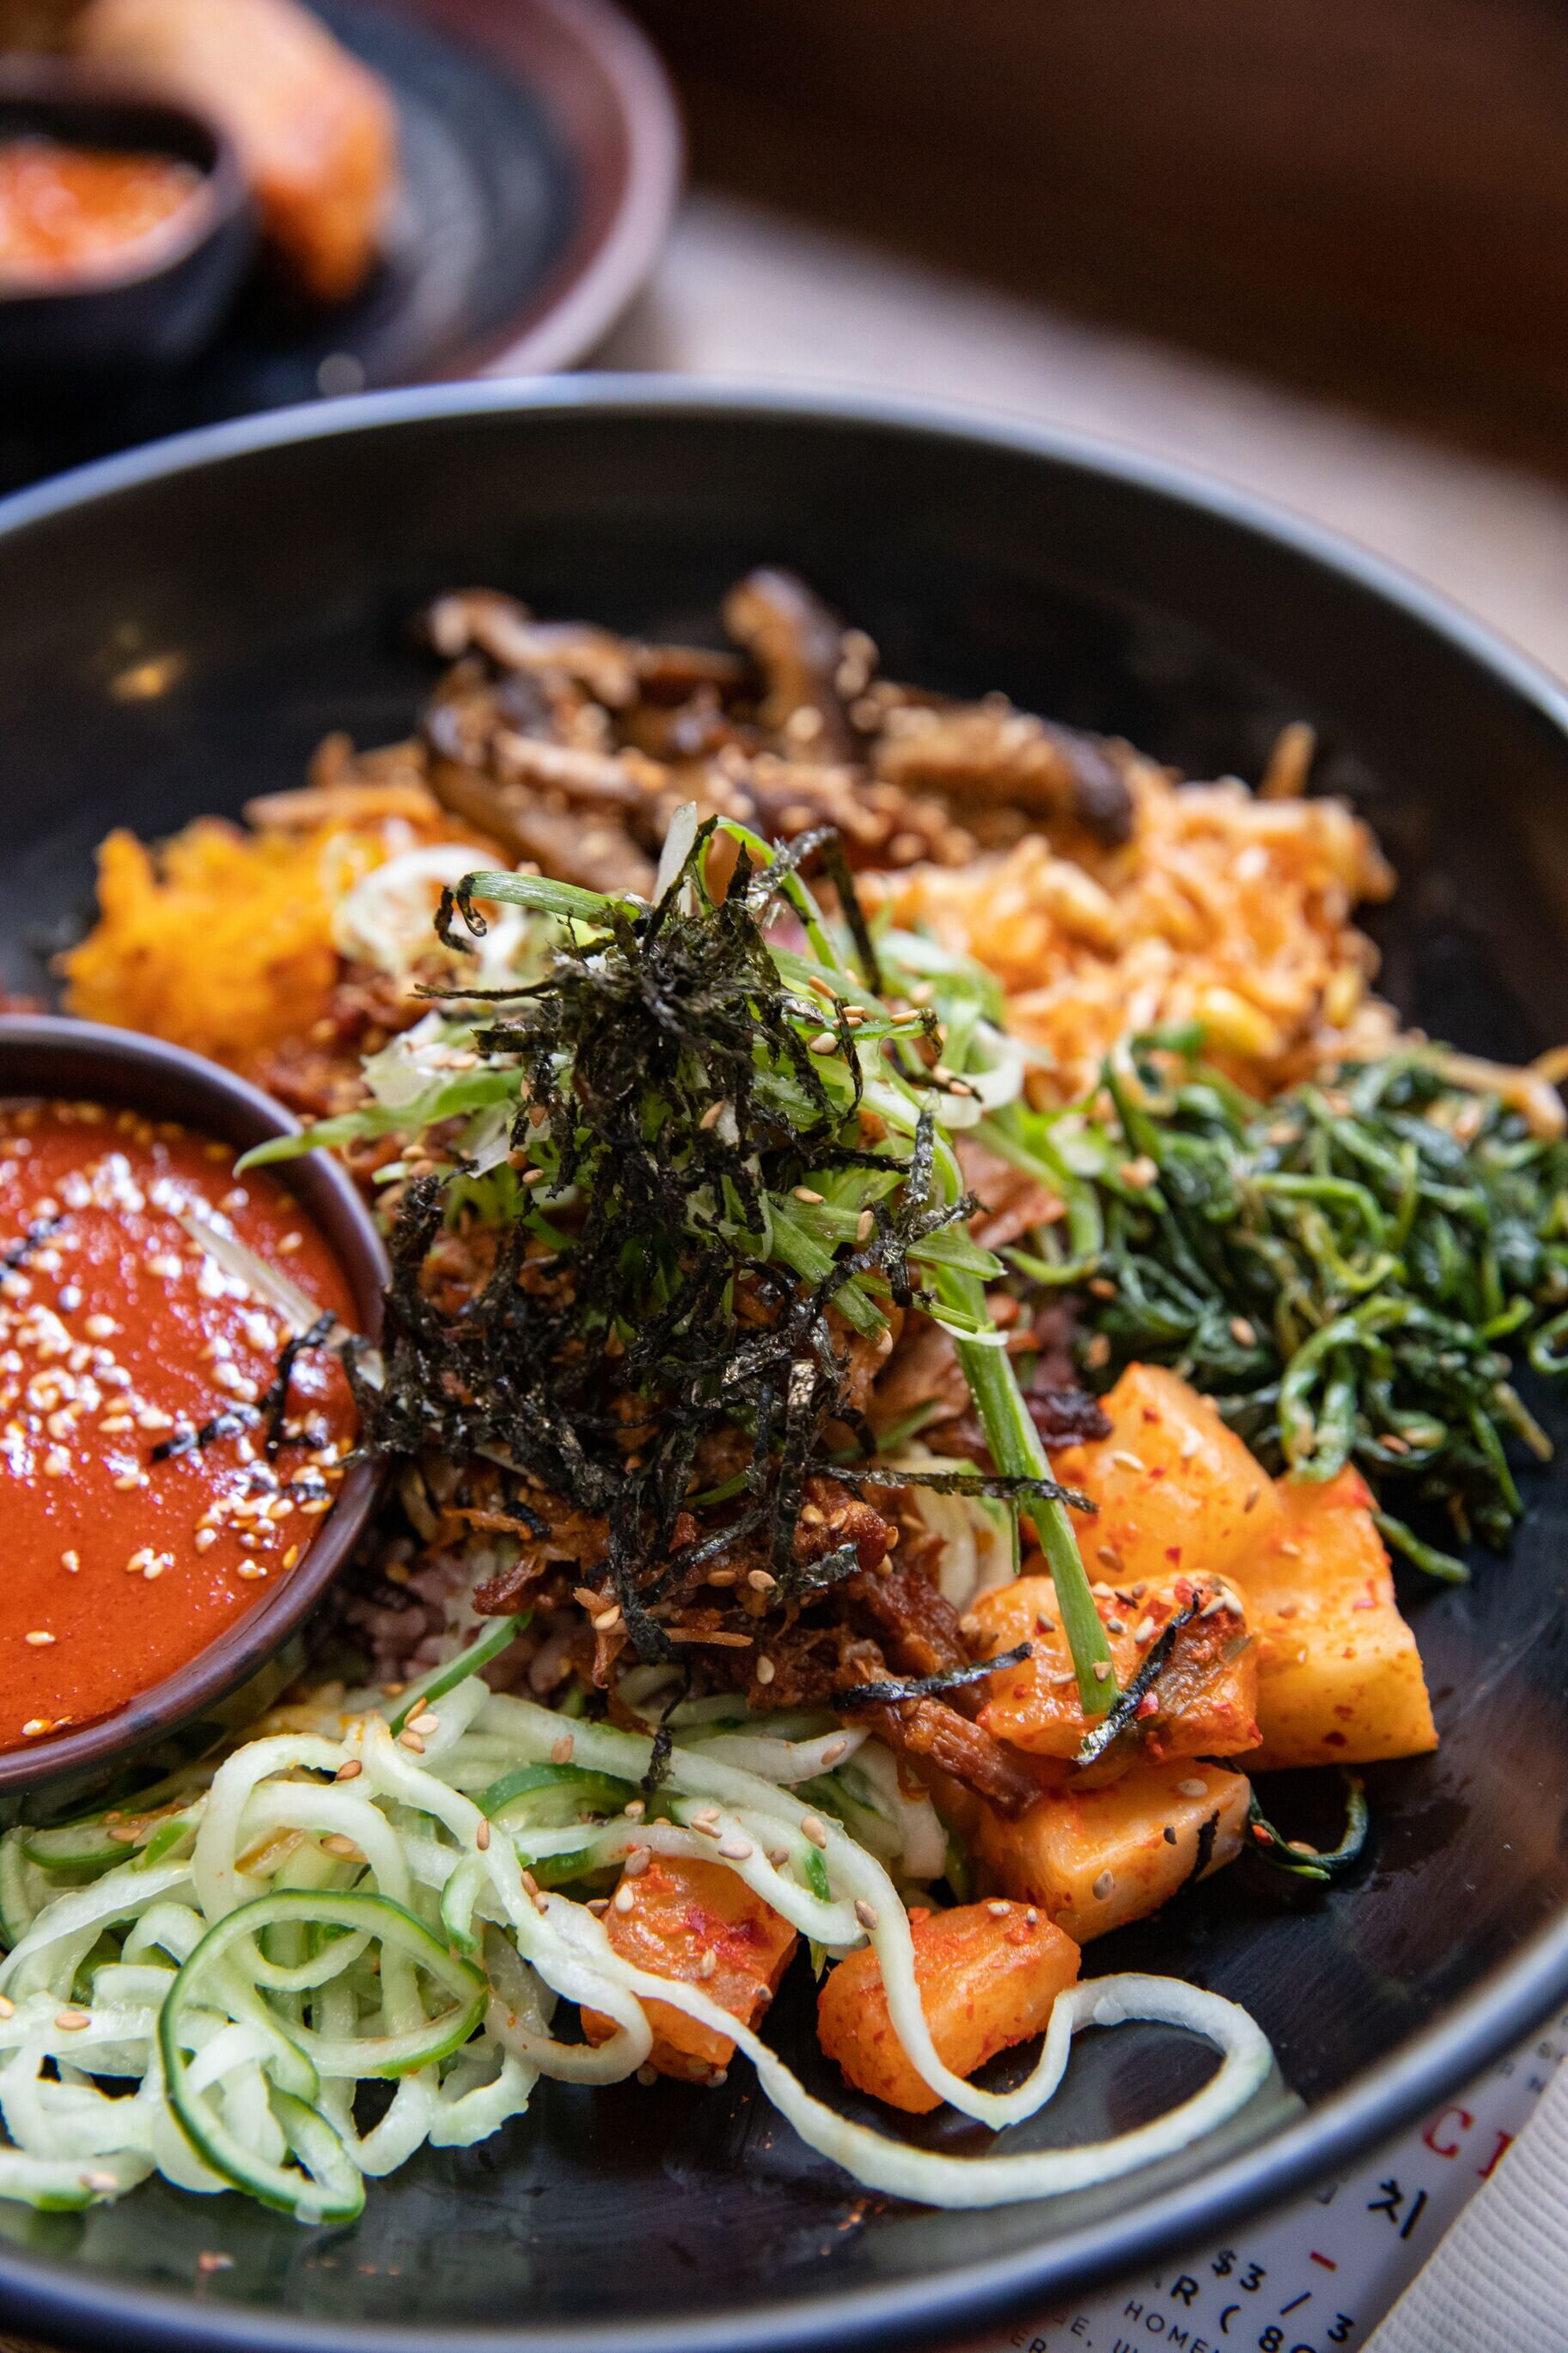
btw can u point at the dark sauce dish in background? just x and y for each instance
(225, 1684)
(181, 625)
(156, 301)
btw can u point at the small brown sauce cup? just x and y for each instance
(241, 1671)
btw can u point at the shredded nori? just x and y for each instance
(927, 1686)
(665, 1091)
(231, 1423)
(1204, 1854)
(1125, 1713)
(18, 1252)
(274, 1404)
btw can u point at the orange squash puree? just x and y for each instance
(65, 209)
(119, 1334)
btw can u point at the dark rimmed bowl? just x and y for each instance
(182, 627)
(235, 1677)
(160, 303)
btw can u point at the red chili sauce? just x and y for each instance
(120, 1333)
(65, 210)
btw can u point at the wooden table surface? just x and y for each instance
(742, 291)
(745, 293)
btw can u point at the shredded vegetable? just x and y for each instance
(342, 1906)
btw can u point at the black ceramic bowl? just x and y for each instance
(183, 625)
(234, 1678)
(166, 297)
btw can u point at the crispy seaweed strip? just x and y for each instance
(1295, 1857)
(230, 1423)
(1125, 1713)
(18, 1252)
(807, 1578)
(889, 1695)
(664, 1736)
(1203, 1853)
(274, 1404)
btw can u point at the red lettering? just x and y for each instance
(1504, 2140)
(1450, 2148)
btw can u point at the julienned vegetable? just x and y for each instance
(1344, 1270)
(342, 1906)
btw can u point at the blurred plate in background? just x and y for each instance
(541, 157)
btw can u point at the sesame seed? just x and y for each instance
(561, 1754)
(865, 1913)
(71, 1561)
(348, 1770)
(997, 1909)
(1193, 1788)
(736, 1848)
(427, 1720)
(56, 1462)
(1107, 1556)
(124, 1483)
(1250, 1498)
(804, 1193)
(646, 2076)
(71, 2022)
(205, 1539)
(709, 1965)
(812, 1828)
(1115, 1626)
(778, 1856)
(1169, 1835)
(714, 1113)
(482, 1836)
(1144, 1630)
(623, 1898)
(533, 1175)
(1242, 1333)
(38, 1639)
(766, 1671)
(761, 1580)
(823, 1042)
(36, 1726)
(7, 2007)
(250, 1569)
(834, 1751)
(336, 1844)
(1103, 1885)
(637, 1862)
(607, 1620)
(409, 1738)
(1125, 1459)
(865, 1225)
(1192, 1441)
(1102, 1670)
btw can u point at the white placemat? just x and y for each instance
(1320, 2276)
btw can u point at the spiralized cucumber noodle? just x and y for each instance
(333, 1908)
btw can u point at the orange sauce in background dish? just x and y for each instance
(65, 210)
(120, 1334)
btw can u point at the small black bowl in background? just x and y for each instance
(167, 297)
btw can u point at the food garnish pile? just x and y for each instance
(925, 1288)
